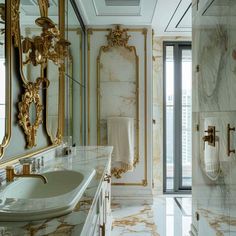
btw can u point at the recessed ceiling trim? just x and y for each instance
(122, 2)
(179, 13)
(98, 13)
(101, 9)
(181, 19)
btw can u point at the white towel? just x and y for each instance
(211, 153)
(121, 137)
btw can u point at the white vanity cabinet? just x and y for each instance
(105, 219)
(100, 220)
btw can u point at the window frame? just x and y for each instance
(178, 46)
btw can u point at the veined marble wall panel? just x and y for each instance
(118, 88)
(214, 65)
(124, 102)
(214, 101)
(158, 109)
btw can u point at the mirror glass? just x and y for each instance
(52, 97)
(3, 95)
(52, 108)
(29, 12)
(74, 78)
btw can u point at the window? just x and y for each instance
(177, 116)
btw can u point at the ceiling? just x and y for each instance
(167, 17)
(173, 18)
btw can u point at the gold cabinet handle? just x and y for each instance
(229, 150)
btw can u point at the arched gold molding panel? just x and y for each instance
(5, 92)
(124, 99)
(46, 46)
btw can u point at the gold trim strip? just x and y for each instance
(81, 89)
(89, 32)
(98, 99)
(62, 74)
(145, 71)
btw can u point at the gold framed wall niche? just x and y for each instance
(118, 89)
(91, 34)
(5, 15)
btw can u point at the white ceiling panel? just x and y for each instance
(131, 12)
(167, 17)
(102, 9)
(173, 18)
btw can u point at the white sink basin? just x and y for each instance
(30, 199)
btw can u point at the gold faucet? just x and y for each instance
(10, 174)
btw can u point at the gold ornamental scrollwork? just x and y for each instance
(30, 97)
(39, 50)
(118, 37)
(15, 22)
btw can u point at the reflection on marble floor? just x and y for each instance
(168, 216)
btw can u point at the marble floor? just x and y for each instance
(168, 216)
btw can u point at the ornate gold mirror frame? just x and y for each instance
(5, 9)
(118, 38)
(51, 46)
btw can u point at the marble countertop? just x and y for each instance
(71, 224)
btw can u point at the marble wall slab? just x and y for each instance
(214, 103)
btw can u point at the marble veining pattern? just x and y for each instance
(71, 224)
(164, 218)
(214, 103)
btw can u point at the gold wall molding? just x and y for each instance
(118, 37)
(8, 77)
(144, 32)
(89, 33)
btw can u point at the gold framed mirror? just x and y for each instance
(5, 69)
(38, 33)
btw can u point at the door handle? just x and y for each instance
(229, 150)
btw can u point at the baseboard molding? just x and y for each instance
(135, 194)
(132, 200)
